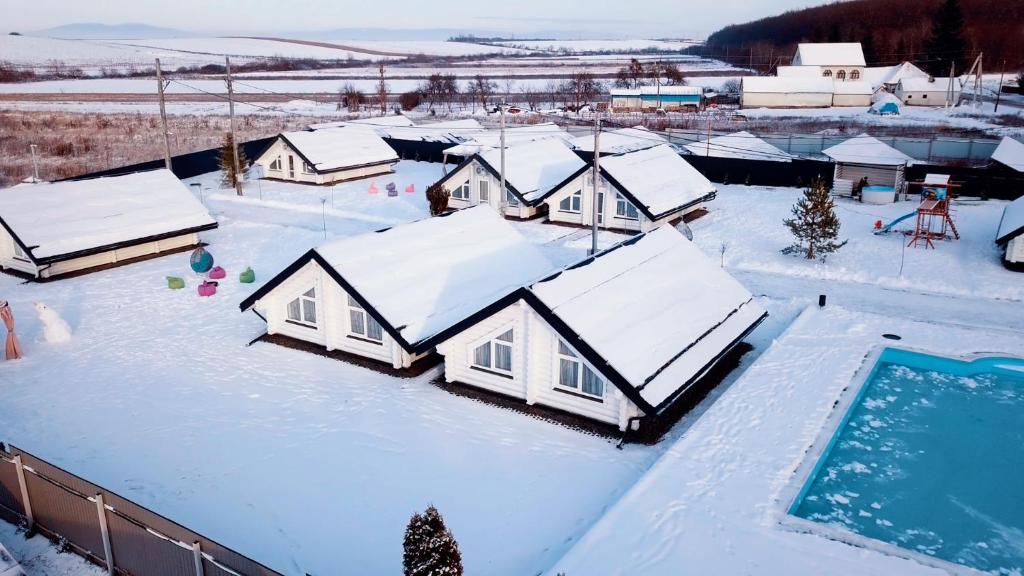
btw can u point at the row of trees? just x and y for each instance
(637, 74)
(445, 91)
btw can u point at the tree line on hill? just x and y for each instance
(930, 33)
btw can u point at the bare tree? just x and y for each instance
(484, 89)
(449, 89)
(632, 75)
(508, 86)
(350, 97)
(583, 88)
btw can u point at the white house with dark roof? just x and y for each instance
(1010, 235)
(327, 156)
(617, 338)
(48, 230)
(392, 295)
(533, 168)
(837, 60)
(637, 191)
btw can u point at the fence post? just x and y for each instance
(931, 142)
(108, 551)
(20, 468)
(197, 556)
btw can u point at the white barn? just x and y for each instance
(929, 91)
(1010, 235)
(327, 156)
(57, 229)
(638, 191)
(617, 338)
(742, 145)
(867, 157)
(533, 168)
(391, 295)
(838, 60)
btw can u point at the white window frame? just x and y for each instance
(564, 352)
(277, 162)
(307, 169)
(484, 191)
(20, 254)
(309, 296)
(355, 309)
(622, 207)
(493, 341)
(574, 203)
(461, 192)
(511, 199)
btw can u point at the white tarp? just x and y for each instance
(658, 178)
(339, 148)
(66, 217)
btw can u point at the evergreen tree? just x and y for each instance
(867, 44)
(814, 224)
(226, 161)
(430, 548)
(947, 42)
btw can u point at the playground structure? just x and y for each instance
(934, 213)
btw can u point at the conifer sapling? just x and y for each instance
(814, 224)
(430, 548)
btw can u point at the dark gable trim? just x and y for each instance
(1005, 238)
(644, 209)
(18, 241)
(582, 170)
(497, 174)
(318, 171)
(455, 170)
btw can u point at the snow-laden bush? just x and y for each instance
(430, 548)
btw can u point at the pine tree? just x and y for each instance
(226, 161)
(814, 224)
(430, 548)
(947, 42)
(867, 44)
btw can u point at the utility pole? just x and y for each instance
(35, 165)
(503, 192)
(657, 80)
(999, 89)
(597, 183)
(707, 148)
(234, 142)
(160, 85)
(949, 89)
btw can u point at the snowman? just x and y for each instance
(55, 329)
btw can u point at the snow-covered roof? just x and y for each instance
(86, 216)
(424, 277)
(657, 179)
(829, 54)
(866, 149)
(852, 87)
(492, 138)
(742, 145)
(936, 179)
(620, 141)
(373, 121)
(655, 309)
(798, 71)
(1010, 152)
(653, 90)
(879, 75)
(928, 84)
(534, 168)
(454, 131)
(1012, 223)
(787, 85)
(332, 149)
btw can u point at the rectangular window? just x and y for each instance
(577, 376)
(495, 354)
(624, 209)
(462, 192)
(485, 192)
(362, 324)
(572, 204)
(302, 310)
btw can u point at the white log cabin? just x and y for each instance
(616, 338)
(50, 230)
(532, 170)
(327, 156)
(637, 191)
(868, 157)
(391, 295)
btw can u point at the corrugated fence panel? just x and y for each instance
(66, 514)
(137, 551)
(10, 493)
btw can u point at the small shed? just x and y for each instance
(867, 157)
(617, 338)
(740, 145)
(785, 92)
(929, 91)
(637, 191)
(669, 98)
(392, 295)
(57, 229)
(1010, 235)
(533, 168)
(327, 156)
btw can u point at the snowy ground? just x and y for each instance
(323, 462)
(39, 557)
(966, 116)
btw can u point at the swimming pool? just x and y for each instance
(929, 458)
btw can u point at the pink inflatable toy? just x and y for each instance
(207, 288)
(217, 273)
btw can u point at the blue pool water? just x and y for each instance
(930, 458)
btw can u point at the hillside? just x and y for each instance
(898, 31)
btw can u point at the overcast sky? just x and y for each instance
(675, 18)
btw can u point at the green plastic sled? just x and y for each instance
(247, 276)
(175, 283)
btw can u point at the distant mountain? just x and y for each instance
(894, 31)
(98, 31)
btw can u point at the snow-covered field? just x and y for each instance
(30, 50)
(428, 47)
(582, 46)
(251, 47)
(158, 397)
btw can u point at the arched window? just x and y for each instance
(827, 73)
(854, 74)
(841, 75)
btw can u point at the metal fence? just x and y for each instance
(107, 529)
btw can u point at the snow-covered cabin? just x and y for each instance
(61, 228)
(392, 295)
(839, 60)
(1010, 235)
(867, 157)
(670, 98)
(617, 338)
(1009, 154)
(327, 156)
(619, 141)
(929, 91)
(786, 92)
(638, 191)
(742, 145)
(533, 168)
